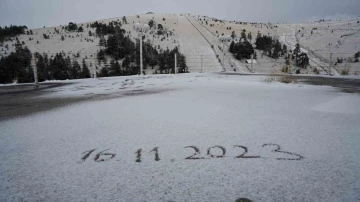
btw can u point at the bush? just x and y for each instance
(316, 71)
(345, 71)
(269, 79)
(357, 55)
(285, 69)
(287, 79)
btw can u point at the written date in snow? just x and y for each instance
(106, 155)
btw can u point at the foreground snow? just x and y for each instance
(41, 155)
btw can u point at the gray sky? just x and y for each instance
(39, 13)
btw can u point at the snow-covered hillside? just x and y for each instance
(197, 38)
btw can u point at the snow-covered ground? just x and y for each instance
(316, 127)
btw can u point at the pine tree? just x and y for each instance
(75, 71)
(249, 36)
(104, 72)
(85, 72)
(232, 47)
(277, 49)
(80, 29)
(284, 49)
(243, 34)
(124, 20)
(233, 35)
(151, 23)
(297, 49)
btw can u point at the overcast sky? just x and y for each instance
(38, 13)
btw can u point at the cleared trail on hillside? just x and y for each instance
(199, 55)
(230, 63)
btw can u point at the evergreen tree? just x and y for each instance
(302, 60)
(12, 31)
(233, 35)
(297, 49)
(80, 29)
(277, 49)
(115, 69)
(85, 72)
(124, 20)
(249, 36)
(357, 55)
(72, 27)
(232, 47)
(241, 50)
(42, 64)
(151, 23)
(75, 70)
(104, 72)
(16, 66)
(243, 34)
(284, 49)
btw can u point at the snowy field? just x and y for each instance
(203, 137)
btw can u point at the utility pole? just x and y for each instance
(141, 30)
(289, 70)
(141, 53)
(252, 56)
(35, 72)
(330, 65)
(175, 65)
(223, 61)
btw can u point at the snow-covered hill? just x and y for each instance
(198, 41)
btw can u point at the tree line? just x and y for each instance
(12, 31)
(120, 47)
(102, 29)
(117, 46)
(16, 67)
(60, 67)
(243, 49)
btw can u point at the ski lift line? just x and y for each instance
(203, 36)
